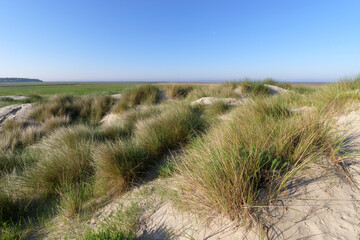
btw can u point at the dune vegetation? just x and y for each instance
(68, 161)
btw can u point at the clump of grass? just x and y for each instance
(338, 97)
(217, 108)
(254, 88)
(175, 91)
(79, 109)
(259, 149)
(50, 124)
(12, 208)
(119, 226)
(10, 125)
(15, 161)
(168, 169)
(120, 164)
(146, 94)
(224, 90)
(271, 81)
(18, 137)
(10, 231)
(35, 97)
(73, 198)
(8, 206)
(108, 234)
(64, 157)
(168, 130)
(124, 124)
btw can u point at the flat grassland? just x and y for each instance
(77, 88)
(82, 88)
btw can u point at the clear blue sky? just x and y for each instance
(179, 40)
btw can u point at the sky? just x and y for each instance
(183, 40)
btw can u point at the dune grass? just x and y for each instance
(340, 97)
(146, 94)
(64, 158)
(176, 91)
(87, 109)
(217, 108)
(254, 88)
(120, 226)
(32, 98)
(108, 234)
(168, 130)
(120, 164)
(68, 160)
(18, 137)
(258, 150)
(123, 125)
(224, 90)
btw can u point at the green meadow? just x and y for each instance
(77, 88)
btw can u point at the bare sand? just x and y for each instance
(18, 112)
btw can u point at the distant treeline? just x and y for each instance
(6, 80)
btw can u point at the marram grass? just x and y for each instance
(258, 150)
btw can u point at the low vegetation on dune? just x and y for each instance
(121, 163)
(178, 91)
(31, 98)
(224, 90)
(254, 88)
(63, 158)
(340, 97)
(146, 94)
(258, 150)
(86, 109)
(124, 125)
(222, 159)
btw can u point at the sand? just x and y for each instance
(14, 97)
(16, 112)
(211, 100)
(275, 89)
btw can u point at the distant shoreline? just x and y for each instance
(18, 80)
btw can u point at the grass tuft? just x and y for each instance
(88, 109)
(176, 91)
(146, 94)
(217, 108)
(259, 149)
(120, 164)
(64, 157)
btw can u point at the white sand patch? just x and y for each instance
(275, 89)
(168, 223)
(110, 118)
(116, 96)
(211, 100)
(16, 112)
(14, 97)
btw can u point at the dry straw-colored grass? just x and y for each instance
(120, 164)
(146, 94)
(176, 91)
(63, 158)
(86, 109)
(259, 149)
